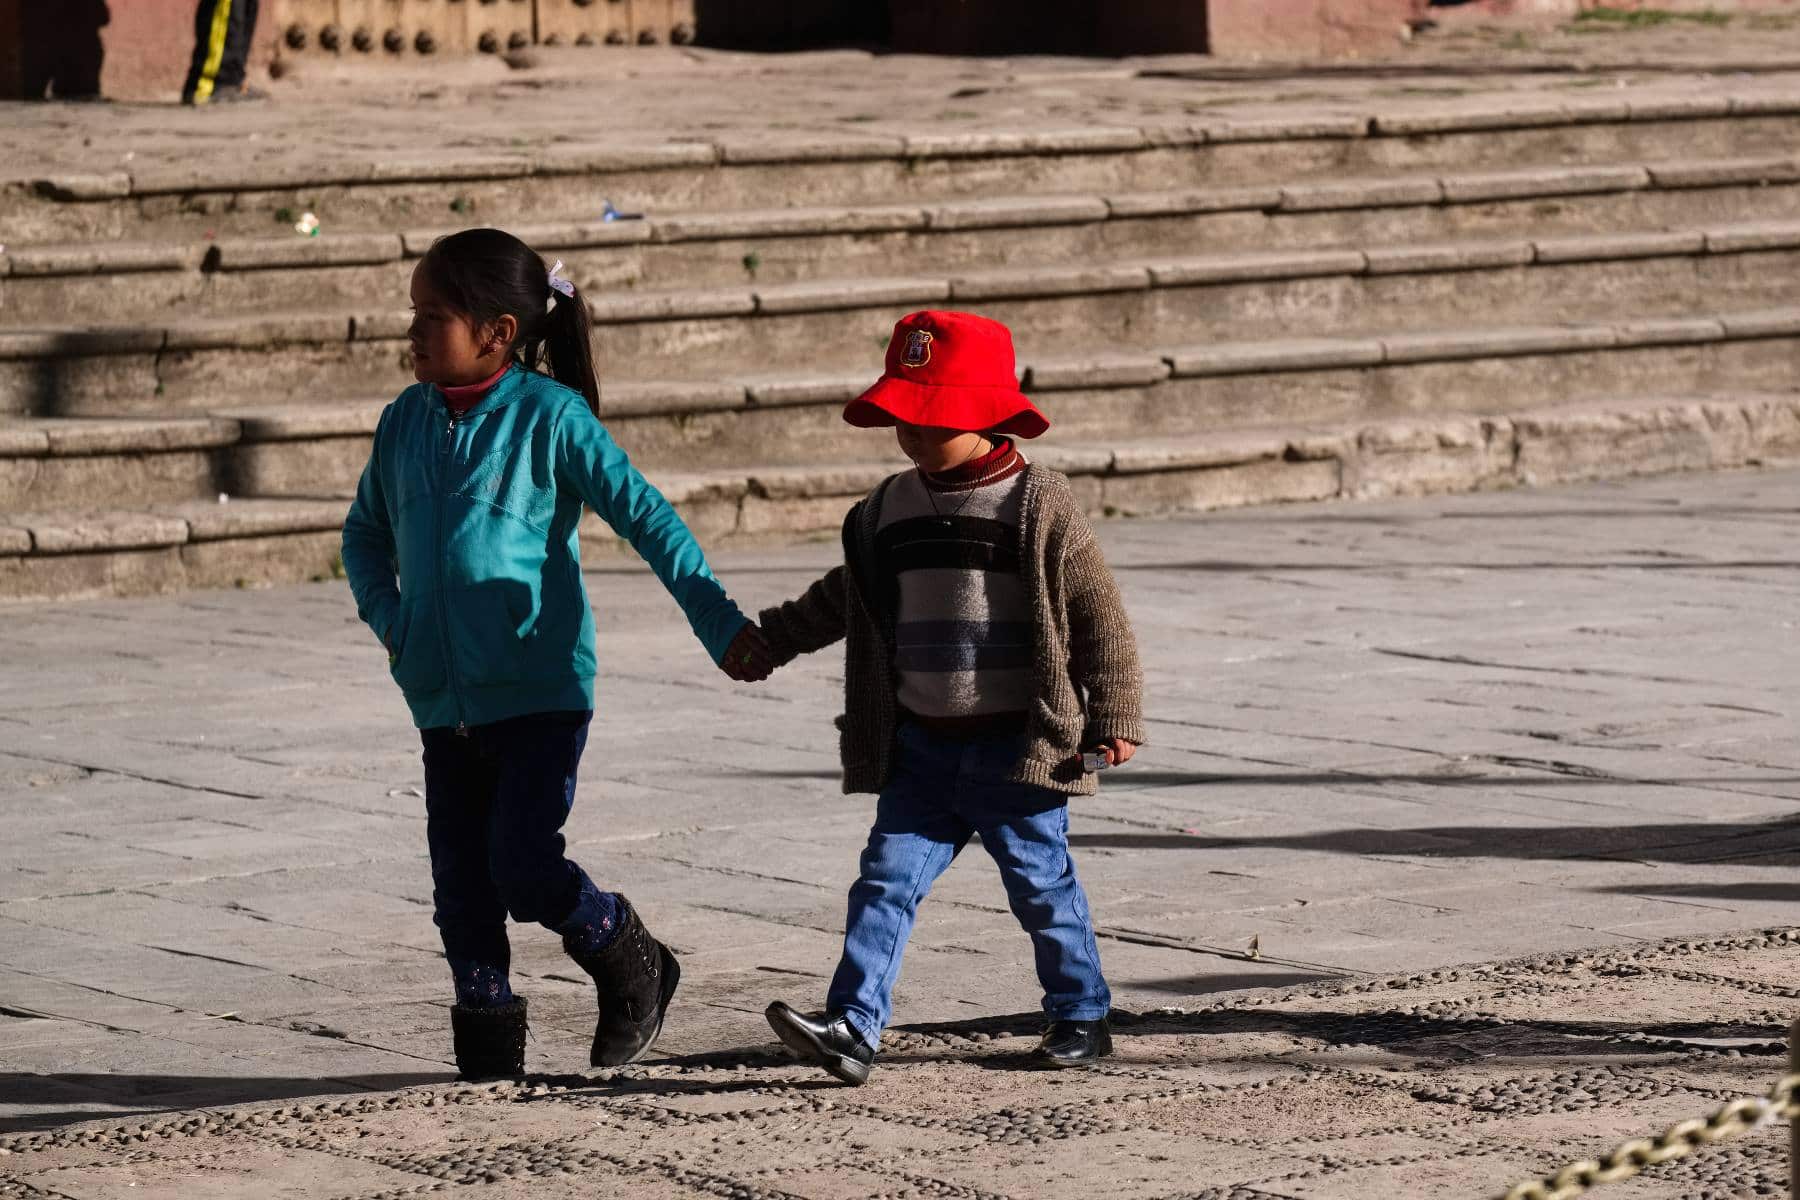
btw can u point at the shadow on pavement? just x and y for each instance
(99, 1097)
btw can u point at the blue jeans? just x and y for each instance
(943, 790)
(495, 803)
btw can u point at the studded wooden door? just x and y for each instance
(409, 28)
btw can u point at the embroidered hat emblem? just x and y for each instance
(918, 349)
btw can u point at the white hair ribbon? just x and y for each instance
(558, 284)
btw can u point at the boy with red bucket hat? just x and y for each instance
(986, 651)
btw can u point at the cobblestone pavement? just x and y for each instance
(1390, 740)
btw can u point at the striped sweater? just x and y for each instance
(1087, 685)
(947, 550)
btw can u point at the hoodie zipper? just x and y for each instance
(444, 460)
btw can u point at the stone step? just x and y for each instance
(159, 548)
(722, 248)
(701, 335)
(571, 182)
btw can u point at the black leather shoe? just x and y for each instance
(824, 1039)
(1074, 1043)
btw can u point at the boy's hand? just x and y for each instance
(749, 660)
(1118, 751)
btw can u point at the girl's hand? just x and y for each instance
(1118, 751)
(749, 660)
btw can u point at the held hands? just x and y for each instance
(749, 660)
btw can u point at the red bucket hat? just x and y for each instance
(949, 370)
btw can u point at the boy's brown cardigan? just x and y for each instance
(1084, 649)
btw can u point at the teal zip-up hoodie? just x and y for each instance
(461, 550)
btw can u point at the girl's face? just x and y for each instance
(446, 347)
(936, 450)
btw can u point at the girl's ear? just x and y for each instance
(502, 331)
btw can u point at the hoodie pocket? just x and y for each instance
(485, 635)
(418, 660)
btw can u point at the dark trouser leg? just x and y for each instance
(535, 759)
(470, 915)
(240, 33)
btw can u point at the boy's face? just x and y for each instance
(936, 450)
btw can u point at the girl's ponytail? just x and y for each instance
(487, 273)
(566, 346)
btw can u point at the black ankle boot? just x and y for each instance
(824, 1039)
(635, 976)
(490, 1042)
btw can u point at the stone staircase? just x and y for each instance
(1213, 314)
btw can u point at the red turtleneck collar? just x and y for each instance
(461, 399)
(1003, 460)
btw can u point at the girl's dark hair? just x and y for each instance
(488, 273)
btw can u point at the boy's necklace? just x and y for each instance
(949, 522)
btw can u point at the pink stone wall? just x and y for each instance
(1298, 29)
(149, 43)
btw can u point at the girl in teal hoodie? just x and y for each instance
(461, 551)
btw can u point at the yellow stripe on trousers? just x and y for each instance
(215, 51)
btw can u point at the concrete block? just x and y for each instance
(1669, 331)
(1473, 187)
(95, 437)
(1029, 282)
(1284, 128)
(1072, 460)
(209, 520)
(736, 149)
(805, 483)
(1601, 247)
(23, 440)
(1725, 172)
(1427, 456)
(444, 170)
(291, 423)
(620, 307)
(1175, 135)
(81, 532)
(638, 398)
(761, 515)
(1214, 450)
(1471, 119)
(1772, 427)
(785, 391)
(1761, 235)
(1564, 446)
(970, 144)
(258, 332)
(1099, 370)
(1458, 344)
(81, 343)
(84, 576)
(260, 561)
(329, 250)
(1360, 193)
(613, 159)
(387, 326)
(101, 258)
(1686, 107)
(1016, 211)
(1296, 354)
(1768, 323)
(1450, 256)
(558, 235)
(1767, 104)
(1094, 139)
(1185, 201)
(106, 185)
(691, 489)
(786, 222)
(1266, 481)
(1234, 268)
(14, 541)
(825, 295)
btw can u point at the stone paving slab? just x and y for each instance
(1389, 739)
